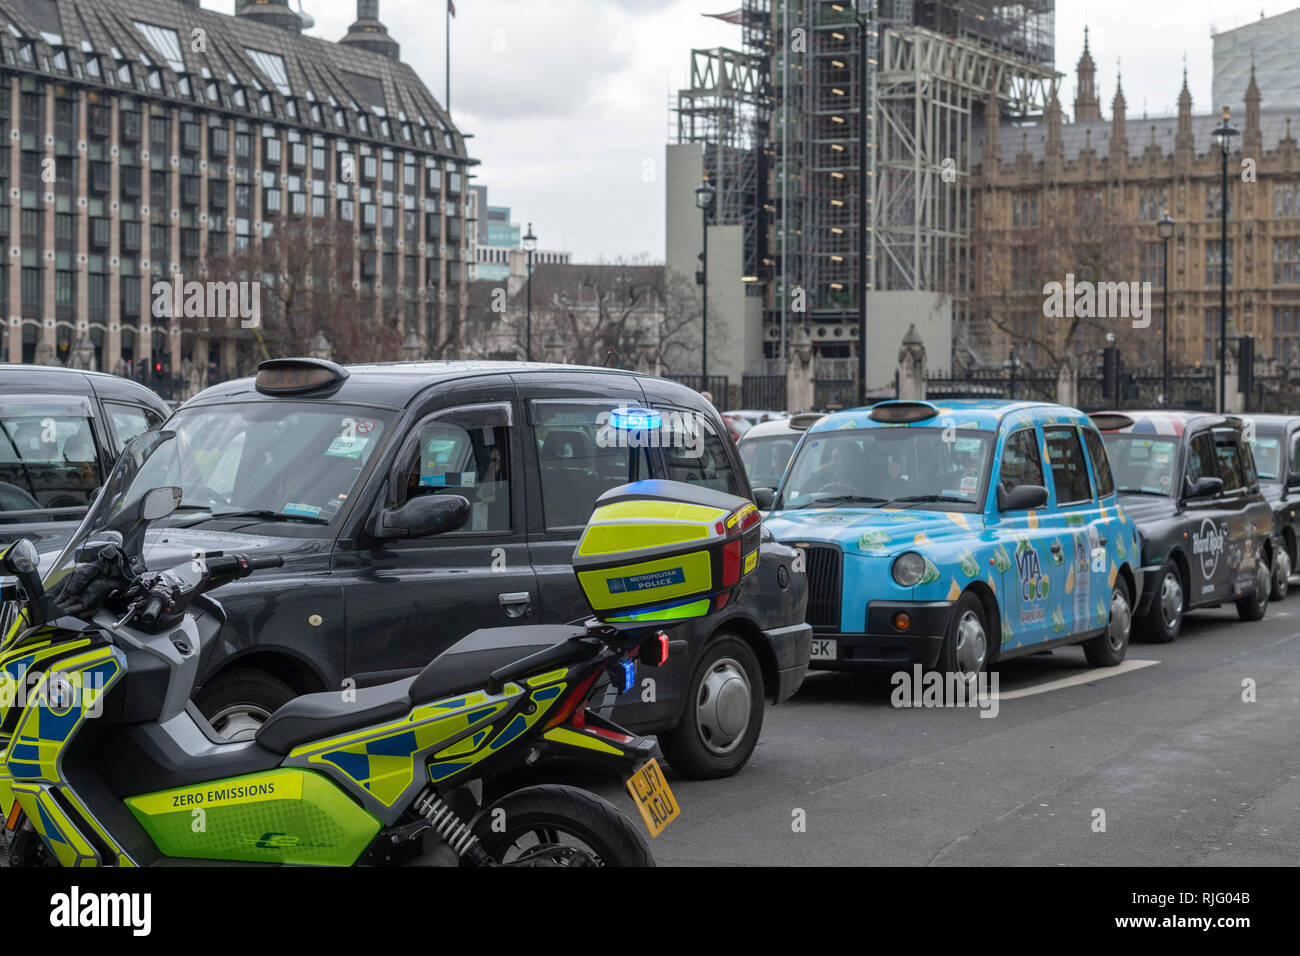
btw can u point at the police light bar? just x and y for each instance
(902, 413)
(293, 375)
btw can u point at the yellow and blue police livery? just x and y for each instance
(952, 534)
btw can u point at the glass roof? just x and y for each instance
(166, 42)
(272, 67)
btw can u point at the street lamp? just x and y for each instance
(864, 95)
(1223, 134)
(530, 246)
(704, 196)
(1165, 227)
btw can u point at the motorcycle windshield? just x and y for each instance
(150, 461)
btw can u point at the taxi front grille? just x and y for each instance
(824, 574)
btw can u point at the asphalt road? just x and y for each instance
(1185, 770)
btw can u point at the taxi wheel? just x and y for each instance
(966, 649)
(1281, 573)
(1165, 618)
(237, 703)
(1253, 605)
(1110, 648)
(723, 715)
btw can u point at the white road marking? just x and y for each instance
(1087, 677)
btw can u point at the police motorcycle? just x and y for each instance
(105, 761)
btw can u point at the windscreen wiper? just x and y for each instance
(1141, 491)
(926, 499)
(842, 499)
(260, 515)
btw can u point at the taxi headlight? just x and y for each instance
(908, 569)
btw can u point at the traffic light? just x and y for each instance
(1110, 373)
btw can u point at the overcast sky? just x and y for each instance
(568, 100)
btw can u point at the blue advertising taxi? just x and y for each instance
(952, 534)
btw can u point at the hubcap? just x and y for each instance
(722, 708)
(239, 721)
(1262, 582)
(1283, 581)
(1171, 600)
(1121, 619)
(972, 644)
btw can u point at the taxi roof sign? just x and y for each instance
(1111, 421)
(290, 376)
(896, 413)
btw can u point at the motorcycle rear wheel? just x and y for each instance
(556, 825)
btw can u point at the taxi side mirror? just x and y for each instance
(764, 498)
(422, 516)
(1021, 498)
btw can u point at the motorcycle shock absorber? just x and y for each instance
(457, 834)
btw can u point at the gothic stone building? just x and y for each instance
(145, 136)
(1084, 198)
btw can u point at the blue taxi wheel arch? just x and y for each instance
(968, 644)
(992, 617)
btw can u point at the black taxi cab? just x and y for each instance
(1189, 481)
(327, 466)
(61, 430)
(1275, 442)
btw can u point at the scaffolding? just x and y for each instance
(726, 110)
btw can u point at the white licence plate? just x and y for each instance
(823, 649)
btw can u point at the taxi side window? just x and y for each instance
(462, 454)
(1229, 464)
(1100, 462)
(1200, 458)
(1293, 463)
(580, 457)
(1021, 464)
(130, 421)
(699, 458)
(1069, 470)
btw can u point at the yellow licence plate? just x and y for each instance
(653, 797)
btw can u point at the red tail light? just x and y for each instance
(574, 702)
(730, 563)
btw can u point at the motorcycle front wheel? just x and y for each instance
(556, 825)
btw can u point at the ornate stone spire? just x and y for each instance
(1086, 104)
(1118, 120)
(1252, 140)
(1184, 141)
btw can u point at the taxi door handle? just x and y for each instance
(515, 603)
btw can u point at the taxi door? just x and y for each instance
(1081, 541)
(409, 599)
(1024, 547)
(1208, 572)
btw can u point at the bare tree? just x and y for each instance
(305, 267)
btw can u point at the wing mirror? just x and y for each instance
(1022, 498)
(764, 498)
(1204, 487)
(421, 517)
(22, 560)
(159, 503)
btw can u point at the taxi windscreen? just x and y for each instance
(265, 461)
(942, 467)
(1142, 465)
(1268, 457)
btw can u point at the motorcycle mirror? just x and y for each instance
(22, 560)
(104, 539)
(159, 503)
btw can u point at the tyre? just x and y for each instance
(966, 649)
(238, 702)
(1253, 605)
(1109, 648)
(553, 825)
(1164, 619)
(1281, 573)
(723, 716)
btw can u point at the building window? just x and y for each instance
(1214, 261)
(1286, 199)
(1214, 202)
(1024, 211)
(1023, 273)
(1286, 334)
(1286, 261)
(1153, 262)
(1151, 205)
(219, 140)
(1212, 334)
(272, 150)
